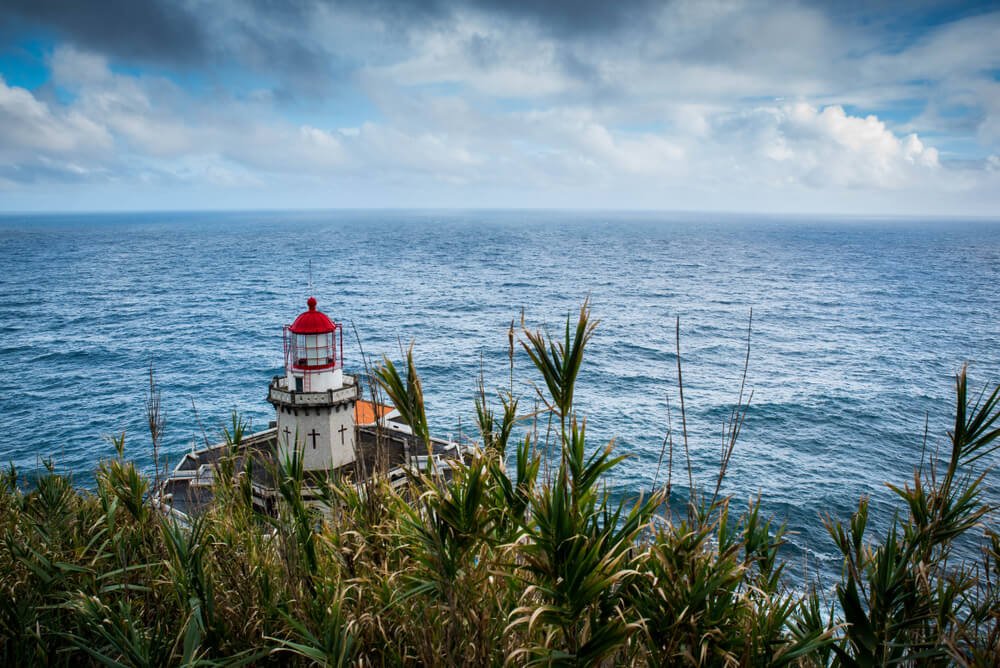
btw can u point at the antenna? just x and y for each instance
(310, 276)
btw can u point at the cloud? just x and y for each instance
(152, 30)
(571, 18)
(829, 147)
(279, 40)
(612, 104)
(482, 58)
(160, 132)
(30, 130)
(510, 48)
(585, 50)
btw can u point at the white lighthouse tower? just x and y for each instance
(315, 399)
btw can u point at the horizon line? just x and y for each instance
(38, 213)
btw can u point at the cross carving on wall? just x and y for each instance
(313, 434)
(342, 430)
(288, 432)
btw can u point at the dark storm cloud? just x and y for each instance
(275, 35)
(130, 29)
(171, 33)
(570, 18)
(561, 18)
(256, 33)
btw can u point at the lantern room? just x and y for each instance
(314, 347)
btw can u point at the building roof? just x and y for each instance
(312, 321)
(365, 413)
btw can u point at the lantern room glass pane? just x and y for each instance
(314, 349)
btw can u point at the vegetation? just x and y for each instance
(500, 565)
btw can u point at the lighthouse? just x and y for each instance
(314, 399)
(322, 418)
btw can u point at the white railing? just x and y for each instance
(420, 462)
(349, 391)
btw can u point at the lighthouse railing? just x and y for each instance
(277, 392)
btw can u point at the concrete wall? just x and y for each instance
(324, 435)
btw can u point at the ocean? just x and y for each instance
(858, 329)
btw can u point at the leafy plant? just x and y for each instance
(497, 563)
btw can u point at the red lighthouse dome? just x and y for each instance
(312, 321)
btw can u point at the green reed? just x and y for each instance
(496, 565)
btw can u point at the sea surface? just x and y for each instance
(858, 328)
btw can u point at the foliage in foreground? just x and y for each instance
(498, 566)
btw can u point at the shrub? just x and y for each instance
(492, 566)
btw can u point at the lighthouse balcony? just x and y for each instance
(279, 394)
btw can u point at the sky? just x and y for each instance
(862, 108)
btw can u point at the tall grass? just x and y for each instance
(497, 565)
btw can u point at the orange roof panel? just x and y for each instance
(364, 412)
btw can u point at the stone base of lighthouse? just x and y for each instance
(320, 425)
